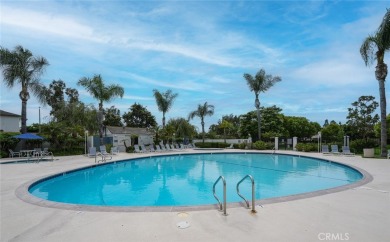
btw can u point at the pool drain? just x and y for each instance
(183, 225)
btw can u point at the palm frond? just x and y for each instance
(384, 31)
(367, 50)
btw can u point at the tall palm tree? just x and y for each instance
(164, 101)
(202, 111)
(95, 86)
(374, 48)
(260, 83)
(22, 67)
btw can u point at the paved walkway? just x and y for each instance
(357, 214)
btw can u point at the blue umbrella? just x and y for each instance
(27, 136)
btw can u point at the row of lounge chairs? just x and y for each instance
(335, 150)
(161, 147)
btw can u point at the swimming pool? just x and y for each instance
(187, 180)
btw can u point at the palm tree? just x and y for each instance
(164, 101)
(201, 112)
(95, 86)
(260, 83)
(21, 66)
(374, 48)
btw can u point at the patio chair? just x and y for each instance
(144, 149)
(114, 150)
(13, 153)
(92, 152)
(103, 150)
(151, 147)
(104, 153)
(335, 149)
(158, 149)
(325, 150)
(347, 151)
(137, 149)
(167, 147)
(230, 147)
(388, 154)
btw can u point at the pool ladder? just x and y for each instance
(222, 207)
(253, 192)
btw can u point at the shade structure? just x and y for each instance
(28, 136)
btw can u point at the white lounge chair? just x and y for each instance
(347, 151)
(168, 147)
(335, 149)
(92, 152)
(230, 147)
(114, 150)
(12, 153)
(388, 154)
(144, 149)
(325, 150)
(162, 148)
(104, 154)
(103, 150)
(137, 149)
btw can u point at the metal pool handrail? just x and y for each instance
(253, 192)
(224, 194)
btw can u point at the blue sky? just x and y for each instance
(200, 50)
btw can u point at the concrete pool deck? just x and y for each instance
(357, 214)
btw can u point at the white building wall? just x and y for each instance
(9, 124)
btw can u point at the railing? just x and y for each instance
(253, 192)
(221, 207)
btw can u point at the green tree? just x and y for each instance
(360, 117)
(225, 125)
(202, 111)
(332, 133)
(22, 67)
(232, 132)
(272, 122)
(112, 117)
(248, 125)
(181, 128)
(164, 101)
(374, 48)
(95, 86)
(139, 117)
(300, 127)
(55, 95)
(260, 83)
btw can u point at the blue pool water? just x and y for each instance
(188, 179)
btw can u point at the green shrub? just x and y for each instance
(130, 149)
(212, 145)
(260, 145)
(7, 142)
(306, 147)
(358, 145)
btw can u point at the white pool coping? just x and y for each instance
(361, 213)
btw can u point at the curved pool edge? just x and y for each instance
(22, 192)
